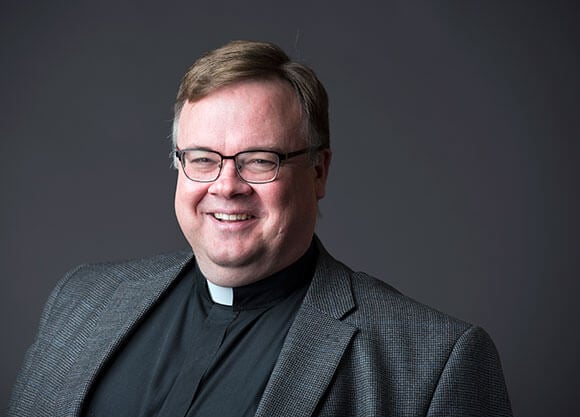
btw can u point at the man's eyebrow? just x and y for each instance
(198, 148)
(263, 148)
(274, 149)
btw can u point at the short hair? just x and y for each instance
(249, 60)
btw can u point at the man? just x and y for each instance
(258, 319)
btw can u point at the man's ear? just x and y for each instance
(321, 167)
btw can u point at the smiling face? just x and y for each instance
(242, 232)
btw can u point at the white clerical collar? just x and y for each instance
(220, 295)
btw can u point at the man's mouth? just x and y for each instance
(232, 217)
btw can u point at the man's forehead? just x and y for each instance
(265, 110)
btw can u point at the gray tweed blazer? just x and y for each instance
(356, 348)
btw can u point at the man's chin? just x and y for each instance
(244, 266)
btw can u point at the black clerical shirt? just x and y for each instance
(193, 357)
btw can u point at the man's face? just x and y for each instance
(270, 225)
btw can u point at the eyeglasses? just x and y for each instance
(254, 167)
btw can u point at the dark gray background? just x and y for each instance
(455, 137)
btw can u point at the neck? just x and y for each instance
(266, 291)
(232, 277)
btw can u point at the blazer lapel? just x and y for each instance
(129, 303)
(315, 344)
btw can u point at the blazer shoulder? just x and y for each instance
(370, 303)
(380, 304)
(95, 283)
(140, 268)
(118, 271)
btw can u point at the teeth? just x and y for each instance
(231, 217)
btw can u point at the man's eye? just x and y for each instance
(261, 164)
(202, 161)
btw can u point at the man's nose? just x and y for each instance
(229, 184)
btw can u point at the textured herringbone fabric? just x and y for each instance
(79, 329)
(357, 347)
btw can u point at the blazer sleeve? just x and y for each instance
(472, 382)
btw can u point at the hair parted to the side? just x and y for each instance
(249, 60)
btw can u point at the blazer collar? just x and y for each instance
(315, 345)
(133, 298)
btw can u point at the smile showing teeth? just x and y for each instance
(231, 217)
